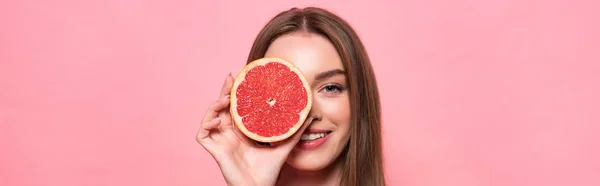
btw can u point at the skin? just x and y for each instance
(242, 162)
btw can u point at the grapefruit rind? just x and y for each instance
(237, 119)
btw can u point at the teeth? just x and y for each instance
(313, 136)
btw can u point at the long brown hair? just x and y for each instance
(363, 157)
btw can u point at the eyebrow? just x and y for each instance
(328, 74)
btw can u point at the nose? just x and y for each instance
(315, 111)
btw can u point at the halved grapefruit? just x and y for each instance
(270, 99)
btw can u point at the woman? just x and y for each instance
(345, 111)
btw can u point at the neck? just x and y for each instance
(329, 176)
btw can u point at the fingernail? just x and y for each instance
(225, 97)
(216, 119)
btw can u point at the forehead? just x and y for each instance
(311, 53)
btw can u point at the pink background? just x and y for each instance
(474, 92)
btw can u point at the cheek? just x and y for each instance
(337, 110)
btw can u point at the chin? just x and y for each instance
(315, 159)
(309, 160)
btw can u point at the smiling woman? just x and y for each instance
(340, 140)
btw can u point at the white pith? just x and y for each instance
(313, 136)
(271, 101)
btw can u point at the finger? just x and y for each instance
(226, 89)
(226, 116)
(215, 108)
(236, 133)
(205, 129)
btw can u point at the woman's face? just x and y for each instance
(326, 136)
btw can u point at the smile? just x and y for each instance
(312, 140)
(313, 136)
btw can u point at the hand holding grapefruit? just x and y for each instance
(241, 160)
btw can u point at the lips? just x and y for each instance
(312, 139)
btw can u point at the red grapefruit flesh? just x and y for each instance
(270, 99)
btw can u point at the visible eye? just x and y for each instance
(333, 89)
